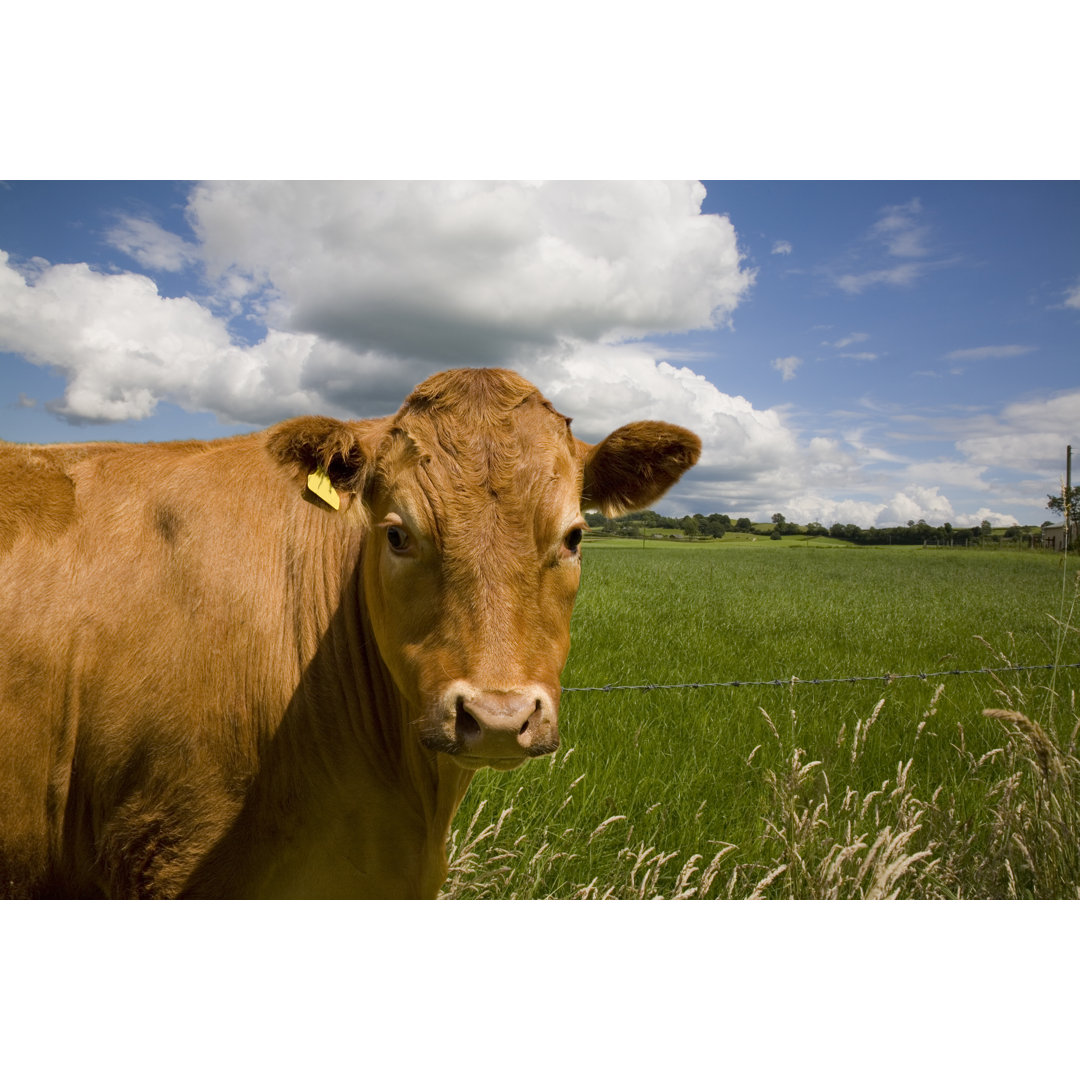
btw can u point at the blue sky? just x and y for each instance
(850, 351)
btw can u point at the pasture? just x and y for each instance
(846, 789)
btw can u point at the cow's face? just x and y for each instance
(474, 494)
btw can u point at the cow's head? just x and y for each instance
(472, 496)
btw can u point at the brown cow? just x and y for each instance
(214, 684)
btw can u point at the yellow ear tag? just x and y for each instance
(319, 484)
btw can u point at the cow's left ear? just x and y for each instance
(343, 449)
(635, 465)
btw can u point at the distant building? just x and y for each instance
(1053, 536)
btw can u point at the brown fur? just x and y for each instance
(213, 686)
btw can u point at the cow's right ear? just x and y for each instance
(343, 449)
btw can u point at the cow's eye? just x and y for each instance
(397, 538)
(572, 541)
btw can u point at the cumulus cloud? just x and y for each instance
(787, 366)
(604, 385)
(366, 288)
(474, 273)
(781, 247)
(913, 503)
(1072, 296)
(984, 513)
(1030, 435)
(123, 347)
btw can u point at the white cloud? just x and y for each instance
(904, 274)
(123, 347)
(859, 356)
(990, 352)
(787, 366)
(844, 342)
(151, 246)
(958, 475)
(603, 386)
(366, 288)
(1072, 296)
(1028, 435)
(475, 273)
(781, 247)
(905, 238)
(984, 513)
(897, 227)
(916, 502)
(913, 503)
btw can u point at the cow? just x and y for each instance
(268, 666)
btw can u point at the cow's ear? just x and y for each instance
(635, 465)
(343, 449)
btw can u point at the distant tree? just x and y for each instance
(744, 524)
(1056, 503)
(778, 519)
(689, 526)
(715, 526)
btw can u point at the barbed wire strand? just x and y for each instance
(796, 681)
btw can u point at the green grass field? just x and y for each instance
(873, 788)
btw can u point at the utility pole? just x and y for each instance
(1068, 496)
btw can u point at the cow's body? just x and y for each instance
(212, 684)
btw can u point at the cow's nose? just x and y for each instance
(504, 723)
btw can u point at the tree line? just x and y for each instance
(715, 526)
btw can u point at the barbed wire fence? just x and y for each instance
(794, 680)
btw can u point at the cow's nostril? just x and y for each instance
(465, 722)
(537, 707)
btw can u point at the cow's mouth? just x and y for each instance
(469, 761)
(461, 757)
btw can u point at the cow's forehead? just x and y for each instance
(495, 452)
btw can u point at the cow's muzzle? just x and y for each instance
(496, 728)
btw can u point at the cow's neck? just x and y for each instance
(346, 801)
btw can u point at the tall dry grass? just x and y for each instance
(820, 840)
